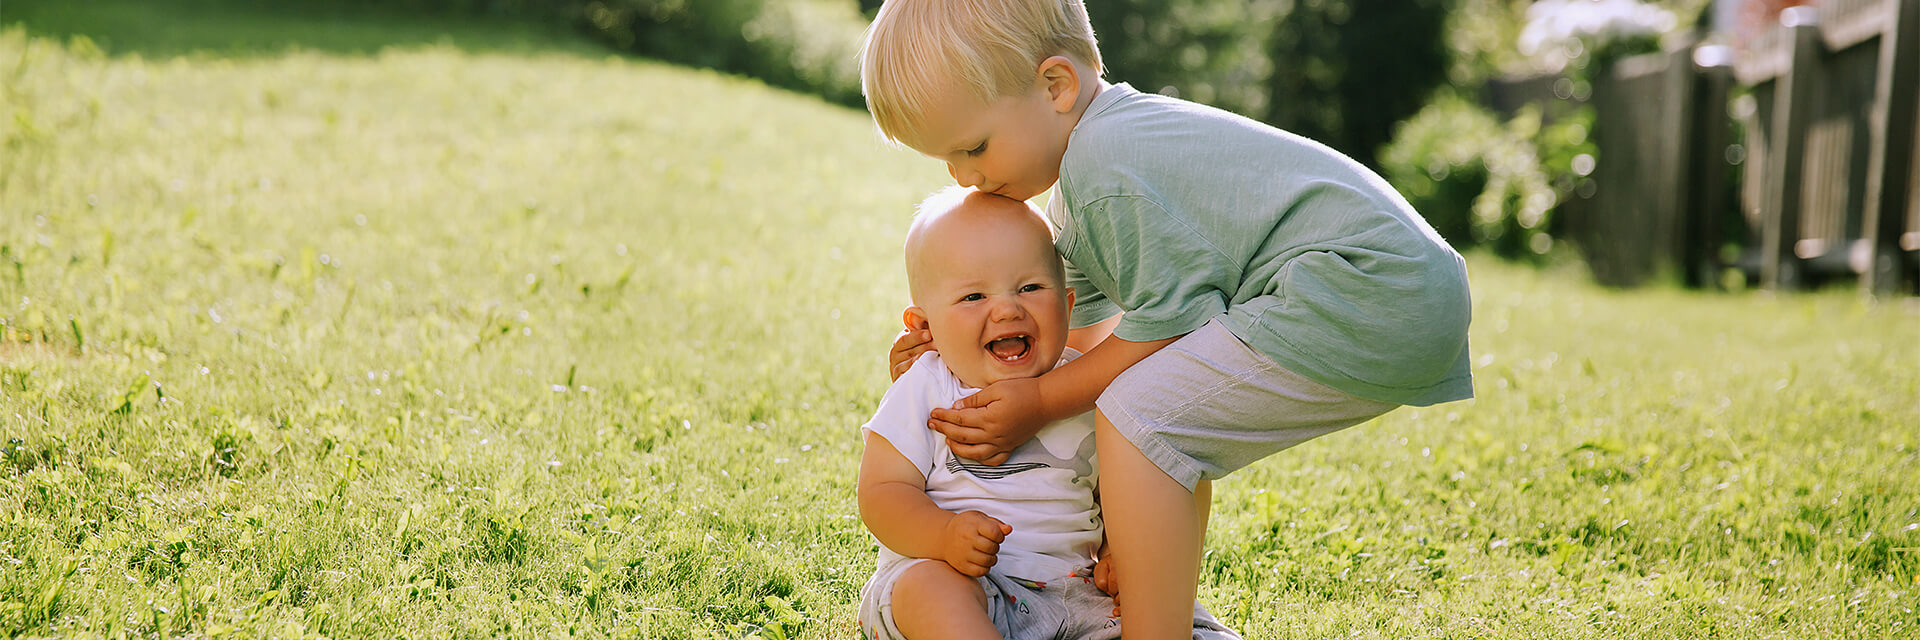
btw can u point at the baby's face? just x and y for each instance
(994, 300)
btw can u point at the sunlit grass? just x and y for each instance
(426, 341)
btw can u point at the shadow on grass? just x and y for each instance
(256, 28)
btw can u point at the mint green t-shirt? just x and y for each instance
(1179, 213)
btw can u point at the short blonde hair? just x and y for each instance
(990, 48)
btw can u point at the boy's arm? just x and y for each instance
(895, 507)
(988, 425)
(1085, 338)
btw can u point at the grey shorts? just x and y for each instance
(1208, 405)
(1069, 608)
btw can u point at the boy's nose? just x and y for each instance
(963, 177)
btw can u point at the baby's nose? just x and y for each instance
(1008, 310)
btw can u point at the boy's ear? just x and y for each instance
(914, 318)
(1061, 81)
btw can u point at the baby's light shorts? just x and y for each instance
(1208, 405)
(1069, 608)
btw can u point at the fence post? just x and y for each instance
(1793, 103)
(1671, 215)
(1891, 155)
(1706, 166)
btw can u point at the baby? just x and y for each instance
(970, 550)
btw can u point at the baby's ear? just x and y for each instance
(914, 318)
(1069, 298)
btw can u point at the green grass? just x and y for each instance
(425, 340)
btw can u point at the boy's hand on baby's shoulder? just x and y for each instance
(973, 542)
(907, 347)
(989, 425)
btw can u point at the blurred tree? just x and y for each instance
(806, 45)
(1345, 71)
(1209, 51)
(1340, 71)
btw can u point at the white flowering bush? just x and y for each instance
(1574, 33)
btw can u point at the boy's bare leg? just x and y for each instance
(1154, 528)
(1202, 505)
(931, 601)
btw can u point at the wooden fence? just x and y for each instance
(1832, 184)
(1829, 186)
(1661, 197)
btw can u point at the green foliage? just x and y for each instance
(1477, 181)
(1481, 37)
(807, 45)
(1209, 51)
(1484, 36)
(1346, 71)
(1321, 69)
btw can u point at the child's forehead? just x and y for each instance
(953, 122)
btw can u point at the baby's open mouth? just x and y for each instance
(1010, 348)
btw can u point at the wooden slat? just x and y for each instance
(1768, 57)
(1759, 148)
(1704, 204)
(1892, 218)
(1846, 23)
(1779, 267)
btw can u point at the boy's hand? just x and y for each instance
(973, 542)
(988, 425)
(907, 347)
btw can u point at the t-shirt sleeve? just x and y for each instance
(902, 415)
(1168, 274)
(1090, 304)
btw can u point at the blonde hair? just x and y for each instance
(990, 48)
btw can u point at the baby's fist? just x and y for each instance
(973, 542)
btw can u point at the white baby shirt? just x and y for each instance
(1045, 490)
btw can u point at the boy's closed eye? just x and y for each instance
(978, 150)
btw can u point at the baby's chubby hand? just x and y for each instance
(989, 425)
(973, 542)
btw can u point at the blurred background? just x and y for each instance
(1711, 143)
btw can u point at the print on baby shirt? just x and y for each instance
(1032, 455)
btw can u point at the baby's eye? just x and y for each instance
(1031, 287)
(972, 297)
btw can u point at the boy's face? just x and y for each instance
(990, 291)
(1010, 147)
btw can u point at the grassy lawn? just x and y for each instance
(399, 333)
